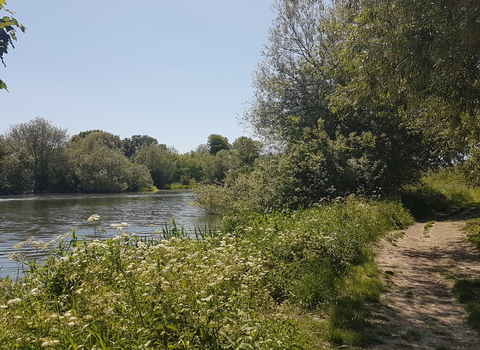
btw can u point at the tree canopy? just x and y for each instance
(361, 97)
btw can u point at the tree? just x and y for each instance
(217, 143)
(293, 81)
(14, 177)
(7, 34)
(421, 58)
(246, 150)
(103, 137)
(331, 149)
(189, 165)
(161, 161)
(99, 166)
(132, 145)
(43, 146)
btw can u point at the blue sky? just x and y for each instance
(175, 70)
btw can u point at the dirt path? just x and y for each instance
(420, 311)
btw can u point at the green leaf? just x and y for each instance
(2, 84)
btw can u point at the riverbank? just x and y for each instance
(251, 284)
(304, 279)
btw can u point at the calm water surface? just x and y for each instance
(47, 216)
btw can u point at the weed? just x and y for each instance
(468, 293)
(428, 226)
(473, 230)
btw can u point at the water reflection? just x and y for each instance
(47, 216)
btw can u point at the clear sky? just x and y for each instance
(176, 70)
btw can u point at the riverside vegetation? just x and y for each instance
(292, 280)
(358, 104)
(245, 286)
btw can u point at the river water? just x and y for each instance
(47, 216)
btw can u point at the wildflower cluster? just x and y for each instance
(144, 293)
(223, 290)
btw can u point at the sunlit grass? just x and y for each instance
(438, 191)
(249, 284)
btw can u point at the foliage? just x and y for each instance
(42, 146)
(101, 137)
(227, 289)
(99, 166)
(13, 173)
(472, 228)
(325, 146)
(161, 161)
(419, 58)
(132, 145)
(215, 167)
(437, 191)
(138, 177)
(291, 80)
(145, 294)
(7, 34)
(310, 250)
(467, 292)
(189, 165)
(422, 201)
(217, 143)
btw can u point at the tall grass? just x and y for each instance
(227, 289)
(438, 191)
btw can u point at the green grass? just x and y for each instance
(250, 284)
(468, 293)
(427, 228)
(473, 231)
(437, 192)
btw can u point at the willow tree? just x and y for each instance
(328, 149)
(421, 58)
(7, 34)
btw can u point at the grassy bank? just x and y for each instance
(255, 284)
(439, 191)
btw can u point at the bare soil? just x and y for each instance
(419, 310)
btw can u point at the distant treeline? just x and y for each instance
(37, 156)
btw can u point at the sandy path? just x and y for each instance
(420, 311)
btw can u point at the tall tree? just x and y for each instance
(370, 148)
(132, 145)
(103, 137)
(99, 166)
(44, 146)
(217, 143)
(161, 161)
(7, 34)
(292, 82)
(421, 58)
(14, 177)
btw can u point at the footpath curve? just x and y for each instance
(419, 310)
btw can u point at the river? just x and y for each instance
(47, 216)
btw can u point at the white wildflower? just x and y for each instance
(50, 343)
(35, 291)
(14, 301)
(120, 226)
(19, 245)
(93, 218)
